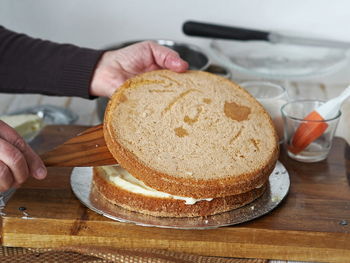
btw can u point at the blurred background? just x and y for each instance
(100, 24)
(97, 24)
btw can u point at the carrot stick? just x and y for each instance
(307, 132)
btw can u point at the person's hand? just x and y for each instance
(17, 160)
(117, 66)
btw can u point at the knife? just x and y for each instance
(86, 149)
(200, 29)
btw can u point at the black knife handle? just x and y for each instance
(193, 28)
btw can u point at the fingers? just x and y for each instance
(167, 58)
(36, 166)
(18, 157)
(14, 160)
(6, 178)
(115, 67)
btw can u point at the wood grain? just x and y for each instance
(86, 149)
(312, 224)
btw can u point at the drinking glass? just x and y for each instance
(293, 114)
(272, 96)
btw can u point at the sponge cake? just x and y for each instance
(191, 134)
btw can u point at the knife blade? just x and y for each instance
(193, 28)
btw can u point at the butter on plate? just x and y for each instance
(27, 125)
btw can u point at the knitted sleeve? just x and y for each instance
(29, 65)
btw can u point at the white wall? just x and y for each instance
(94, 23)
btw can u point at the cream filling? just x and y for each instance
(121, 178)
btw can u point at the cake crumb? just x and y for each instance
(236, 112)
(180, 132)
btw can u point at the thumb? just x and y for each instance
(168, 58)
(175, 63)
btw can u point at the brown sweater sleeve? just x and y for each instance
(29, 65)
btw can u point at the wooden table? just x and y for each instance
(312, 224)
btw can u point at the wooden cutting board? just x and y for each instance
(312, 224)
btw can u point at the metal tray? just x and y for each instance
(279, 183)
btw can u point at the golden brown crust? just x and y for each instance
(220, 187)
(166, 207)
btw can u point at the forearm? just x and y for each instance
(30, 65)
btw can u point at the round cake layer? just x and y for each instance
(191, 134)
(166, 207)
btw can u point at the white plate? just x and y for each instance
(278, 61)
(81, 179)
